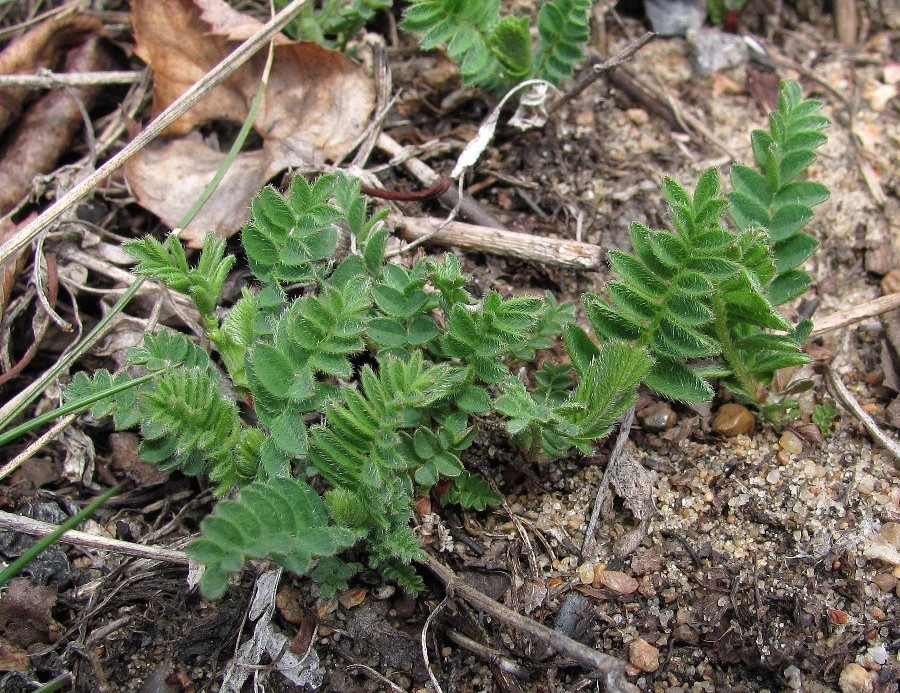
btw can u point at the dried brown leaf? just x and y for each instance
(168, 176)
(45, 132)
(41, 47)
(12, 658)
(634, 485)
(25, 616)
(316, 104)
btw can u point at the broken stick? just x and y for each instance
(555, 252)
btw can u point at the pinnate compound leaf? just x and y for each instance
(282, 519)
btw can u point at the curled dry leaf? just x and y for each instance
(634, 485)
(25, 617)
(38, 140)
(316, 104)
(42, 47)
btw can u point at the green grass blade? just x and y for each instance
(44, 543)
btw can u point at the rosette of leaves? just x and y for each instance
(365, 377)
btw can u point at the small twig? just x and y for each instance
(555, 252)
(846, 398)
(695, 557)
(37, 445)
(383, 103)
(599, 69)
(56, 12)
(375, 676)
(611, 667)
(854, 314)
(489, 654)
(49, 80)
(424, 644)
(590, 539)
(36, 528)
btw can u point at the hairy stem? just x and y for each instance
(730, 353)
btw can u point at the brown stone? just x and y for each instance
(733, 419)
(890, 283)
(618, 582)
(684, 633)
(657, 417)
(353, 597)
(855, 679)
(885, 582)
(643, 656)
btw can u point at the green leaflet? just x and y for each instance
(494, 51)
(564, 31)
(167, 263)
(607, 388)
(471, 491)
(282, 519)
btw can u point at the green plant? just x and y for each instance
(363, 375)
(362, 387)
(824, 416)
(333, 22)
(493, 50)
(702, 298)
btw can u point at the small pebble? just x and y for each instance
(733, 419)
(675, 17)
(713, 50)
(878, 548)
(790, 443)
(773, 477)
(353, 597)
(890, 283)
(855, 679)
(879, 654)
(838, 617)
(885, 582)
(890, 532)
(794, 678)
(643, 656)
(657, 417)
(618, 582)
(638, 116)
(586, 573)
(686, 634)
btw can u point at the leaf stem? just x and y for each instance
(746, 383)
